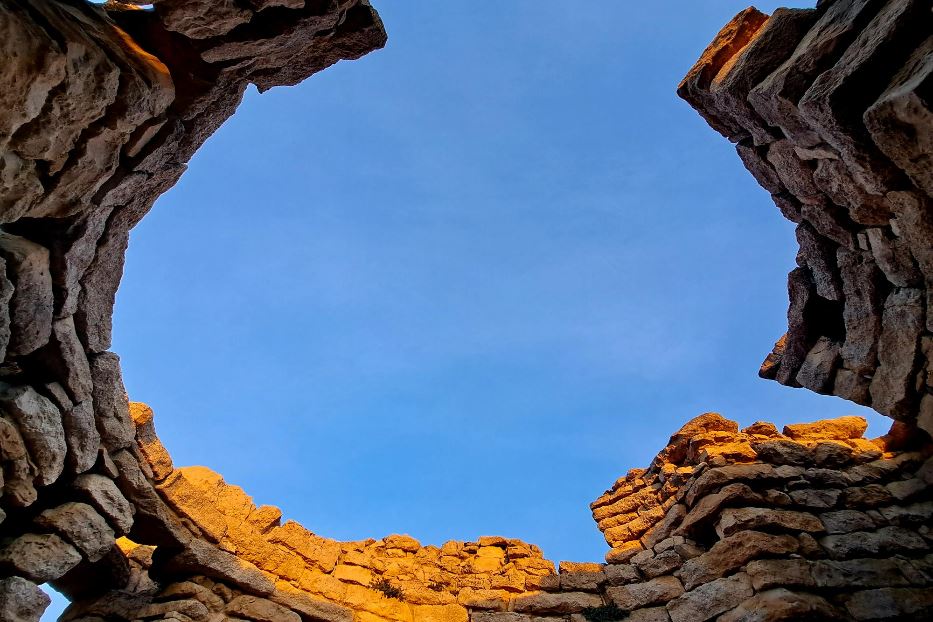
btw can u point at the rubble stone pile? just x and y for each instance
(101, 106)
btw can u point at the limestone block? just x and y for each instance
(815, 499)
(6, 293)
(149, 444)
(769, 47)
(649, 614)
(870, 496)
(858, 573)
(732, 553)
(81, 436)
(317, 608)
(739, 519)
(40, 425)
(775, 98)
(890, 604)
(111, 405)
(913, 514)
(902, 323)
(31, 305)
(714, 479)
(260, 610)
(846, 521)
(19, 471)
(39, 557)
(103, 494)
(184, 609)
(202, 20)
(841, 428)
(818, 369)
(438, 613)
(783, 451)
(620, 574)
(21, 600)
(205, 559)
(826, 106)
(710, 599)
(660, 564)
(775, 573)
(886, 540)
(187, 498)
(80, 525)
(638, 595)
(191, 590)
(559, 603)
(781, 605)
(65, 355)
(902, 106)
(320, 551)
(720, 54)
(493, 600)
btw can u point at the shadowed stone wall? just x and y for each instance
(100, 109)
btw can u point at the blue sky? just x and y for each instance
(458, 287)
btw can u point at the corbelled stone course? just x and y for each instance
(828, 108)
(100, 109)
(102, 106)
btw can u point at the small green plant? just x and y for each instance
(606, 613)
(388, 590)
(434, 585)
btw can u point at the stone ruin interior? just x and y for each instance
(101, 106)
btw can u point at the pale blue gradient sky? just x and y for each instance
(458, 287)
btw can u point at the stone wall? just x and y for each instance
(830, 111)
(815, 521)
(100, 109)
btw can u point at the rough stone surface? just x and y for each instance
(734, 552)
(781, 604)
(81, 526)
(710, 599)
(40, 425)
(638, 595)
(105, 496)
(21, 600)
(828, 108)
(39, 557)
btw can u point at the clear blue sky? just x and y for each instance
(458, 287)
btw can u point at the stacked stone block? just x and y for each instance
(100, 108)
(830, 112)
(752, 524)
(820, 524)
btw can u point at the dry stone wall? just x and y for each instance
(815, 523)
(100, 109)
(102, 106)
(830, 111)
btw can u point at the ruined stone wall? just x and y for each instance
(816, 523)
(100, 109)
(830, 111)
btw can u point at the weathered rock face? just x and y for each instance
(829, 110)
(100, 109)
